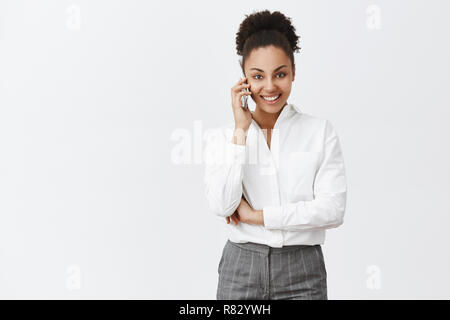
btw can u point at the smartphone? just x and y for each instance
(244, 98)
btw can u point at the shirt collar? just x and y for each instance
(287, 111)
(294, 108)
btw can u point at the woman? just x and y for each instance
(281, 181)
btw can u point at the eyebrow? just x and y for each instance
(273, 70)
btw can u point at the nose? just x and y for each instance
(270, 86)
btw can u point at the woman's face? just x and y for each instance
(269, 72)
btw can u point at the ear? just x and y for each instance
(293, 74)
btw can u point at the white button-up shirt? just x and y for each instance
(299, 183)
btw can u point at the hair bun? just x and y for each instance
(264, 20)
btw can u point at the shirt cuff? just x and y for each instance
(273, 217)
(235, 153)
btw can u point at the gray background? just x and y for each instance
(92, 94)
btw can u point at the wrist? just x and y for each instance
(259, 217)
(239, 136)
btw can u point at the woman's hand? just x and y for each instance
(234, 217)
(245, 213)
(242, 116)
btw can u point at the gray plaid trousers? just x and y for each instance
(257, 271)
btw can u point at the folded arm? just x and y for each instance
(224, 173)
(327, 208)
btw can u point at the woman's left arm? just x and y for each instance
(327, 208)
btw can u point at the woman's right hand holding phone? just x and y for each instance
(242, 120)
(242, 116)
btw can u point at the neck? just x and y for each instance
(265, 120)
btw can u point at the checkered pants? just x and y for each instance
(257, 271)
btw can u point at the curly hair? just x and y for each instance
(263, 28)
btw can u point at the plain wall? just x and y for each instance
(97, 99)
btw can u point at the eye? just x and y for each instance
(282, 74)
(257, 76)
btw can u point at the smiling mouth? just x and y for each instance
(271, 99)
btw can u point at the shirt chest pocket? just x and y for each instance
(302, 168)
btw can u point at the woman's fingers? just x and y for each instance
(230, 219)
(241, 84)
(240, 94)
(242, 80)
(240, 87)
(233, 218)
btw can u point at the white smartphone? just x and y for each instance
(244, 98)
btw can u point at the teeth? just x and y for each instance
(272, 98)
